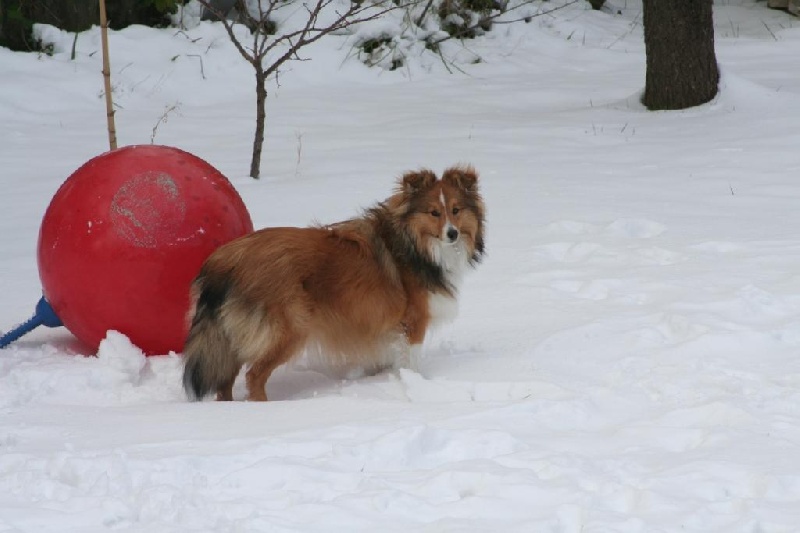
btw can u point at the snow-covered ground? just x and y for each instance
(626, 359)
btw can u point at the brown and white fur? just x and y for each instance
(351, 288)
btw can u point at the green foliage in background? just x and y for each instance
(18, 16)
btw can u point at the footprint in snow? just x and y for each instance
(635, 228)
(572, 253)
(425, 447)
(571, 227)
(629, 228)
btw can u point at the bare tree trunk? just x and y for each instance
(681, 64)
(112, 128)
(261, 118)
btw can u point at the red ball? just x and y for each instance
(126, 234)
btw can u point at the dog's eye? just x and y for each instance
(456, 210)
(435, 213)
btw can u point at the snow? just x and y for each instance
(625, 359)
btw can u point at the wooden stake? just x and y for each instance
(112, 129)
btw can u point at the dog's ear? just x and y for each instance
(413, 182)
(461, 177)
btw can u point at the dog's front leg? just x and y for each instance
(415, 326)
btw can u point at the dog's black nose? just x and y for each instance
(452, 234)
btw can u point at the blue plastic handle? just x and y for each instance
(43, 316)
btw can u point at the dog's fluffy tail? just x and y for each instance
(210, 362)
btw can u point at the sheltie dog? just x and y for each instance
(352, 289)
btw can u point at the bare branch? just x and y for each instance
(163, 119)
(287, 45)
(421, 18)
(250, 58)
(202, 70)
(311, 33)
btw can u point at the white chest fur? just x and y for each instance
(453, 260)
(442, 308)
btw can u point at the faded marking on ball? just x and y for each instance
(147, 210)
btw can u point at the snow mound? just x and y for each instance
(120, 357)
